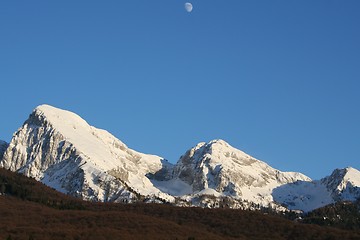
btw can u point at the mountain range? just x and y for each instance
(60, 149)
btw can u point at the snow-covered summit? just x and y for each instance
(353, 176)
(62, 150)
(231, 172)
(340, 177)
(96, 144)
(344, 184)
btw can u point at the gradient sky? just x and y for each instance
(276, 79)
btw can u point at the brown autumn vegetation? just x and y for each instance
(30, 210)
(344, 215)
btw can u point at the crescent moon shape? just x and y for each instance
(188, 7)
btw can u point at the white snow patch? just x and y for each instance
(305, 196)
(352, 175)
(174, 187)
(209, 191)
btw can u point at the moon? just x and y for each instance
(188, 7)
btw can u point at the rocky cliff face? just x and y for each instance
(3, 147)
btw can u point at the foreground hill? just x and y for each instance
(344, 215)
(30, 210)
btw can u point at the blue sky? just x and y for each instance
(276, 79)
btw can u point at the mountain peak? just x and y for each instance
(63, 151)
(220, 169)
(217, 148)
(351, 169)
(344, 183)
(352, 175)
(346, 174)
(218, 142)
(59, 118)
(48, 110)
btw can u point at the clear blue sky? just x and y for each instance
(276, 79)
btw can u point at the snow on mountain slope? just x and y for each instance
(303, 195)
(344, 184)
(62, 150)
(219, 169)
(341, 185)
(3, 146)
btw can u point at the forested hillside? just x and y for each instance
(30, 210)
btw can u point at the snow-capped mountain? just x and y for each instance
(341, 185)
(218, 169)
(344, 184)
(62, 150)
